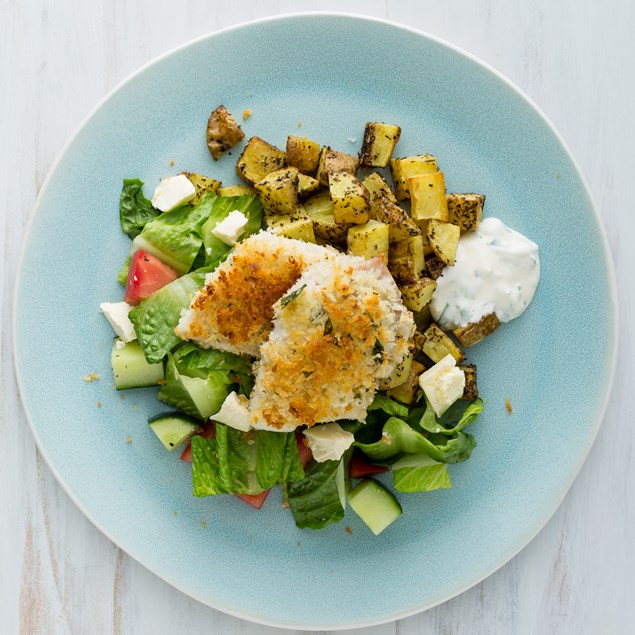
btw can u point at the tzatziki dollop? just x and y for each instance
(496, 271)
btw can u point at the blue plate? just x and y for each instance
(321, 76)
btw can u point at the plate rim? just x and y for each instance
(612, 287)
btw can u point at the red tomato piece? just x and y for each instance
(306, 456)
(255, 500)
(361, 467)
(146, 275)
(208, 431)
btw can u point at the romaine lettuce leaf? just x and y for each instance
(198, 362)
(277, 458)
(430, 423)
(398, 437)
(157, 316)
(386, 404)
(215, 249)
(135, 210)
(315, 500)
(223, 465)
(420, 473)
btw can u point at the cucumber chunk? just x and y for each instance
(130, 368)
(173, 428)
(375, 505)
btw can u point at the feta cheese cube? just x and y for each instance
(172, 192)
(234, 412)
(443, 384)
(328, 441)
(230, 229)
(117, 314)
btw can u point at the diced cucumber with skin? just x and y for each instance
(173, 428)
(130, 368)
(375, 505)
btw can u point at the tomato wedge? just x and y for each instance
(306, 456)
(208, 431)
(361, 467)
(146, 275)
(255, 500)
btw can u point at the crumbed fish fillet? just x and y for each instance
(337, 331)
(234, 310)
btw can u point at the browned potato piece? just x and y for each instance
(299, 227)
(222, 132)
(302, 153)
(473, 333)
(444, 240)
(379, 142)
(409, 391)
(405, 260)
(417, 295)
(471, 391)
(405, 167)
(237, 190)
(438, 344)
(334, 161)
(368, 240)
(350, 198)
(435, 267)
(423, 319)
(279, 191)
(427, 192)
(378, 188)
(465, 210)
(399, 375)
(258, 159)
(319, 208)
(306, 184)
(401, 225)
(418, 340)
(202, 185)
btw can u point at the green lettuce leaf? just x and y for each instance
(399, 437)
(198, 362)
(224, 465)
(156, 317)
(386, 404)
(420, 473)
(315, 500)
(135, 210)
(430, 423)
(277, 458)
(215, 249)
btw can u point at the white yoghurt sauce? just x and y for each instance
(496, 271)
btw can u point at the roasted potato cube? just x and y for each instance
(401, 225)
(444, 240)
(222, 132)
(319, 208)
(438, 344)
(379, 142)
(368, 240)
(417, 295)
(435, 267)
(418, 340)
(470, 393)
(298, 227)
(237, 190)
(350, 198)
(306, 184)
(399, 375)
(405, 167)
(378, 188)
(422, 319)
(302, 153)
(279, 191)
(427, 192)
(202, 185)
(409, 391)
(405, 260)
(333, 161)
(258, 159)
(465, 210)
(473, 333)
(423, 226)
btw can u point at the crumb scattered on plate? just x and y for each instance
(128, 439)
(171, 162)
(247, 113)
(349, 531)
(508, 405)
(299, 124)
(135, 408)
(99, 404)
(203, 524)
(91, 377)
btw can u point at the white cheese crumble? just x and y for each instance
(234, 412)
(117, 314)
(328, 441)
(172, 192)
(443, 384)
(231, 228)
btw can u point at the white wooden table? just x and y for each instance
(58, 574)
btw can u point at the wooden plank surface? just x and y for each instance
(58, 574)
